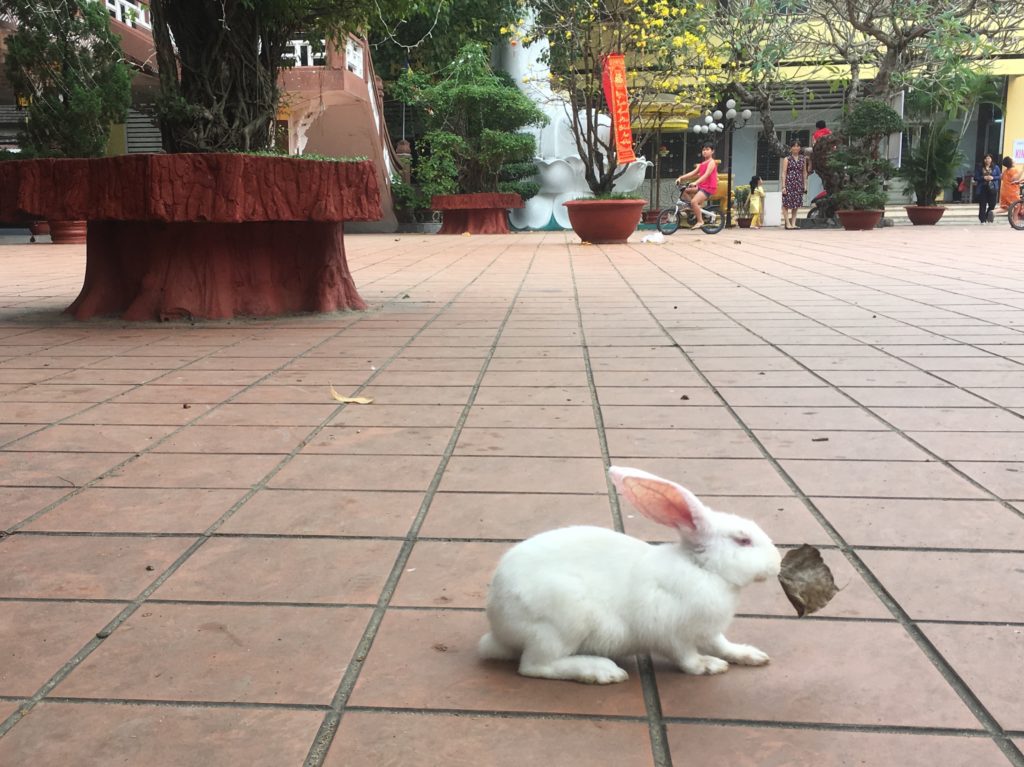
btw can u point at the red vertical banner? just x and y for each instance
(613, 77)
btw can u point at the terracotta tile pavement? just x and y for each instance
(208, 560)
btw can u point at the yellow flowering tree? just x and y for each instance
(668, 63)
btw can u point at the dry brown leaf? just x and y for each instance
(806, 579)
(350, 400)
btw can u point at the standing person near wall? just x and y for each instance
(1009, 192)
(822, 130)
(756, 202)
(794, 183)
(987, 180)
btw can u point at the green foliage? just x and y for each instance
(407, 197)
(932, 164)
(219, 63)
(429, 37)
(741, 200)
(869, 122)
(65, 59)
(473, 117)
(617, 196)
(306, 156)
(861, 178)
(7, 154)
(868, 197)
(850, 163)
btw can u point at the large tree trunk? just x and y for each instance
(219, 88)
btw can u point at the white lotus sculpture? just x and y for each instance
(559, 167)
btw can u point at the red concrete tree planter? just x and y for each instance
(202, 235)
(604, 221)
(924, 215)
(480, 213)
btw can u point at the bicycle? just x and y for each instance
(1015, 213)
(670, 219)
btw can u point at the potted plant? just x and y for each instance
(741, 205)
(663, 44)
(928, 170)
(474, 163)
(64, 60)
(858, 168)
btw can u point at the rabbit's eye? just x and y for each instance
(742, 540)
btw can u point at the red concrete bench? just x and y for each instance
(202, 235)
(480, 213)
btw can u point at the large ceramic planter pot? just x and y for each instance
(604, 221)
(480, 213)
(744, 222)
(924, 215)
(68, 232)
(860, 219)
(39, 228)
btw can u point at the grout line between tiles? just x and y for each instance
(118, 620)
(943, 666)
(329, 727)
(660, 752)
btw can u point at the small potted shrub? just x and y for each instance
(930, 168)
(860, 170)
(741, 206)
(474, 163)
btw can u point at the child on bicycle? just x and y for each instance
(705, 185)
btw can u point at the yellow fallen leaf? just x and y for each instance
(467, 234)
(350, 400)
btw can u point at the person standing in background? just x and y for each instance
(987, 180)
(1009, 191)
(794, 183)
(756, 202)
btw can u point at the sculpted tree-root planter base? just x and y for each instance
(208, 236)
(481, 213)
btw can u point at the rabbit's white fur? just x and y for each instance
(565, 601)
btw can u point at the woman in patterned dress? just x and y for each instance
(794, 183)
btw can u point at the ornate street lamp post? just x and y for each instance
(716, 122)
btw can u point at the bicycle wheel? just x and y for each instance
(1016, 215)
(668, 221)
(716, 225)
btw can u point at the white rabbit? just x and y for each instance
(563, 602)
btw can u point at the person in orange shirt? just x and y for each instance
(1009, 192)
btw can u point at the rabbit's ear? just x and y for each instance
(658, 499)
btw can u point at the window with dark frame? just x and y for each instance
(768, 160)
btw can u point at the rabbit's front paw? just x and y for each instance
(746, 655)
(604, 674)
(704, 664)
(740, 654)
